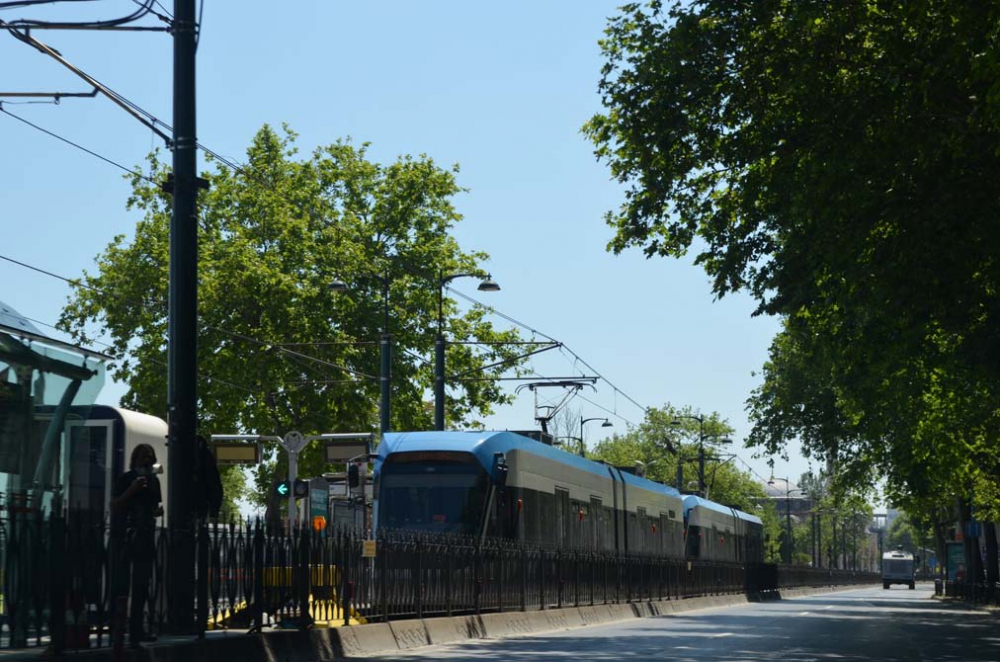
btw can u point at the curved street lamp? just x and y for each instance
(605, 424)
(486, 285)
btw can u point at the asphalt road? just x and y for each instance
(867, 624)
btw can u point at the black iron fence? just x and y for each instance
(66, 583)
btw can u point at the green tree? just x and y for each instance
(278, 348)
(656, 444)
(836, 161)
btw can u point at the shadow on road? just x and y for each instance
(846, 628)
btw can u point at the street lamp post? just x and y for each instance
(788, 515)
(605, 424)
(701, 447)
(486, 285)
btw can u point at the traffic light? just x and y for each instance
(299, 490)
(353, 475)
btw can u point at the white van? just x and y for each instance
(897, 568)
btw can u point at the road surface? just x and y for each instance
(896, 625)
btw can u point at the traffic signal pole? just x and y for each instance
(293, 443)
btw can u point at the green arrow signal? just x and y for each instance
(283, 489)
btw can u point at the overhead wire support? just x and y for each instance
(106, 91)
(56, 96)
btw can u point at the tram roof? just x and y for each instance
(691, 501)
(484, 444)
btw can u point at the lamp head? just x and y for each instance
(488, 284)
(607, 424)
(337, 286)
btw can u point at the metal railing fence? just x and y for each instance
(62, 577)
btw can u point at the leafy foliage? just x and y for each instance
(278, 348)
(837, 161)
(658, 445)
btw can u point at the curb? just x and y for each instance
(330, 644)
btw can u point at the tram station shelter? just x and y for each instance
(46, 385)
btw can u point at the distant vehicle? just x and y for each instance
(506, 485)
(897, 568)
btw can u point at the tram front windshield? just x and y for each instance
(433, 492)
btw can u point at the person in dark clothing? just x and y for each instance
(135, 505)
(208, 484)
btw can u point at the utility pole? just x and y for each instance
(701, 448)
(385, 371)
(182, 336)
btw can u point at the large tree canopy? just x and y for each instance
(838, 161)
(278, 348)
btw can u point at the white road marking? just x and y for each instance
(722, 634)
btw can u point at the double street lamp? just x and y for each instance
(385, 343)
(486, 285)
(701, 448)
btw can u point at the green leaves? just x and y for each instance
(838, 162)
(278, 348)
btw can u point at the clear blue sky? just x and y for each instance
(500, 88)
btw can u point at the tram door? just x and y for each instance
(88, 465)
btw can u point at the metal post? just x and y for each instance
(439, 360)
(701, 456)
(293, 474)
(680, 469)
(182, 366)
(385, 372)
(819, 540)
(385, 380)
(812, 537)
(788, 521)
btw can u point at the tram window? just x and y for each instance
(445, 497)
(562, 517)
(597, 523)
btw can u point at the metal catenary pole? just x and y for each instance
(182, 371)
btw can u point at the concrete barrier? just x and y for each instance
(448, 630)
(411, 633)
(509, 624)
(622, 612)
(360, 640)
(595, 615)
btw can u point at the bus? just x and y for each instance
(897, 568)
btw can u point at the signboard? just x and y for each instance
(234, 452)
(956, 561)
(368, 549)
(345, 450)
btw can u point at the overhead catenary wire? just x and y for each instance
(93, 343)
(75, 282)
(144, 9)
(563, 345)
(76, 145)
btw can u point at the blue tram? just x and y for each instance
(505, 485)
